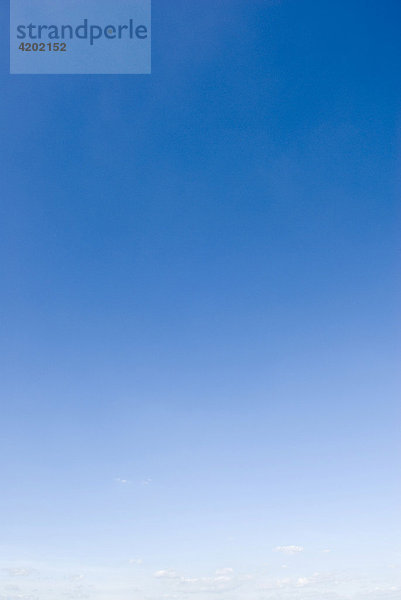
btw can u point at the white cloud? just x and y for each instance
(226, 571)
(389, 593)
(76, 577)
(135, 561)
(223, 580)
(166, 574)
(289, 550)
(122, 481)
(19, 572)
(281, 583)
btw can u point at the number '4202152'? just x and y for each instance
(43, 47)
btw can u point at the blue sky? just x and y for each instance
(200, 312)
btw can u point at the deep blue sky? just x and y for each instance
(200, 309)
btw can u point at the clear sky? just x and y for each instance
(200, 312)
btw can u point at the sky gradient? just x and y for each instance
(200, 312)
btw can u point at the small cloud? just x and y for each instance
(190, 580)
(289, 550)
(166, 574)
(226, 571)
(147, 481)
(304, 581)
(122, 481)
(281, 583)
(76, 577)
(135, 561)
(223, 575)
(327, 551)
(19, 572)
